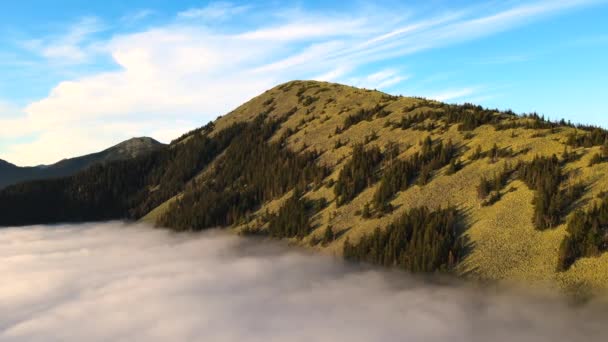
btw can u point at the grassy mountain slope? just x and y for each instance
(11, 174)
(506, 245)
(242, 169)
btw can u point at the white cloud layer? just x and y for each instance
(185, 73)
(113, 282)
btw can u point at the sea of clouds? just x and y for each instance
(120, 282)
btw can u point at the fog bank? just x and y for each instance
(116, 282)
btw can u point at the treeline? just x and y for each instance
(421, 240)
(600, 157)
(489, 189)
(413, 120)
(595, 137)
(359, 173)
(533, 121)
(98, 193)
(494, 153)
(400, 174)
(201, 130)
(293, 218)
(179, 164)
(363, 114)
(587, 235)
(551, 202)
(468, 116)
(250, 172)
(591, 135)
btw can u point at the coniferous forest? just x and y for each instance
(359, 173)
(552, 200)
(250, 172)
(587, 235)
(401, 173)
(293, 218)
(421, 240)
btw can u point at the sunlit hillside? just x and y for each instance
(504, 244)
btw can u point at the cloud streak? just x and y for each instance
(213, 11)
(69, 47)
(111, 281)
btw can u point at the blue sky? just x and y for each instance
(79, 76)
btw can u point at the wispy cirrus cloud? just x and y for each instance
(136, 16)
(190, 71)
(383, 79)
(214, 10)
(70, 46)
(316, 28)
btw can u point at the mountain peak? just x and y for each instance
(134, 147)
(131, 148)
(140, 141)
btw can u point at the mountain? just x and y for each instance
(391, 180)
(11, 174)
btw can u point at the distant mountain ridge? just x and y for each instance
(12, 174)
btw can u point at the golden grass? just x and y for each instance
(153, 215)
(504, 244)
